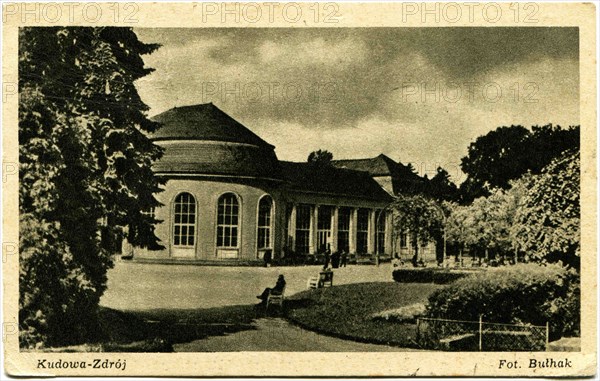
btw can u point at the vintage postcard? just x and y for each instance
(301, 189)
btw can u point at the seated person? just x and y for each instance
(397, 262)
(277, 290)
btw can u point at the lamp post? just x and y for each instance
(439, 208)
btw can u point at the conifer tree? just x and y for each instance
(85, 173)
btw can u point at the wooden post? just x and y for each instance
(547, 334)
(480, 332)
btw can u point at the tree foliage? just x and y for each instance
(548, 224)
(441, 188)
(507, 153)
(320, 157)
(85, 172)
(420, 216)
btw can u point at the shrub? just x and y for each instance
(428, 275)
(521, 294)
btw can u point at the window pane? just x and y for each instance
(184, 220)
(264, 222)
(227, 220)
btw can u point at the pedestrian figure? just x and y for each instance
(344, 258)
(267, 258)
(327, 258)
(335, 260)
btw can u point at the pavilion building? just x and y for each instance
(228, 198)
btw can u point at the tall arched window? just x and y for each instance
(265, 208)
(184, 220)
(228, 221)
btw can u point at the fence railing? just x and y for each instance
(461, 335)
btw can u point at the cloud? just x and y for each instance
(315, 52)
(419, 95)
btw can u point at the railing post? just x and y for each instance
(547, 334)
(480, 332)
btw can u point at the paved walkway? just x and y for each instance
(277, 335)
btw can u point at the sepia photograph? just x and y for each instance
(357, 189)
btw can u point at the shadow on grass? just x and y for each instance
(158, 330)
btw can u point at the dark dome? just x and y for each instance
(203, 122)
(204, 140)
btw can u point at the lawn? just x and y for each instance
(155, 307)
(345, 311)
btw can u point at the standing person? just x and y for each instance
(344, 257)
(327, 258)
(335, 260)
(267, 258)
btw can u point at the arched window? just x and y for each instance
(265, 208)
(228, 221)
(184, 220)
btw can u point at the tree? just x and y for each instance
(488, 223)
(507, 153)
(320, 157)
(457, 225)
(419, 216)
(441, 188)
(85, 173)
(548, 223)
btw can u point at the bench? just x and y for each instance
(324, 279)
(275, 299)
(464, 341)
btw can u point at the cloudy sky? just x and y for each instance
(418, 95)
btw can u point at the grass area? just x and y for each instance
(345, 311)
(158, 330)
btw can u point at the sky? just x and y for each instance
(418, 95)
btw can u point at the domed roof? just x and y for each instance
(203, 122)
(203, 140)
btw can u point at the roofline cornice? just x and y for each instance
(220, 176)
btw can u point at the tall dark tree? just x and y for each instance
(320, 157)
(85, 172)
(441, 188)
(507, 153)
(496, 158)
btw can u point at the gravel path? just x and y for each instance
(277, 335)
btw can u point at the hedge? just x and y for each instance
(428, 275)
(520, 294)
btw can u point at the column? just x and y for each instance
(314, 218)
(334, 230)
(352, 238)
(291, 240)
(388, 234)
(372, 230)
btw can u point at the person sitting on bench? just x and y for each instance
(278, 289)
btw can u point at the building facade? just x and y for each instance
(228, 198)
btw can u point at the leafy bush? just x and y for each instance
(428, 275)
(521, 294)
